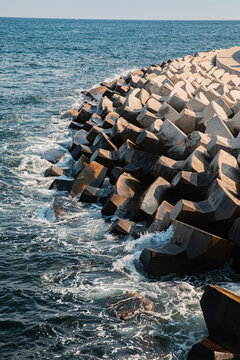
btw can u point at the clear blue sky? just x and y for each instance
(123, 9)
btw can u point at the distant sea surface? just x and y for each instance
(55, 276)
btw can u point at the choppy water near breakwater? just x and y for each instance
(55, 277)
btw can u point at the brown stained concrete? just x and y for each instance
(229, 60)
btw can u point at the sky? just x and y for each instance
(123, 9)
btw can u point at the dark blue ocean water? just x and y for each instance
(55, 277)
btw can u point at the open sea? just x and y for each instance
(55, 276)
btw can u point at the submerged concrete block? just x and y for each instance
(221, 310)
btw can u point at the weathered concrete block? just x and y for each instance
(85, 113)
(71, 113)
(139, 159)
(125, 306)
(152, 105)
(179, 100)
(221, 310)
(166, 168)
(205, 251)
(209, 350)
(93, 175)
(234, 232)
(112, 204)
(168, 112)
(54, 155)
(110, 120)
(146, 118)
(190, 185)
(148, 142)
(92, 194)
(225, 167)
(126, 185)
(162, 218)
(61, 185)
(198, 161)
(103, 141)
(170, 135)
(195, 139)
(53, 171)
(163, 262)
(107, 158)
(187, 121)
(79, 165)
(152, 197)
(105, 107)
(231, 146)
(79, 138)
(216, 127)
(115, 173)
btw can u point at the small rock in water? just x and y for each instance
(63, 206)
(54, 155)
(126, 305)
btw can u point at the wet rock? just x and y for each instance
(209, 350)
(121, 227)
(53, 171)
(80, 138)
(113, 203)
(125, 306)
(163, 262)
(92, 194)
(85, 113)
(61, 185)
(93, 175)
(75, 126)
(221, 313)
(161, 219)
(64, 206)
(54, 155)
(79, 165)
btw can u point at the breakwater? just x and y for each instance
(158, 148)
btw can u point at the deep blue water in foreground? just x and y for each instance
(55, 277)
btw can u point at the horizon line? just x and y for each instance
(110, 19)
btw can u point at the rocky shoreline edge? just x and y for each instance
(161, 147)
